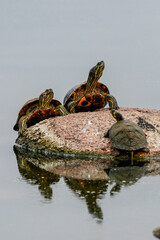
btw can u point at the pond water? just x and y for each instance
(53, 44)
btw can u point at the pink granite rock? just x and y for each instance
(83, 133)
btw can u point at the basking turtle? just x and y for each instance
(126, 136)
(38, 109)
(90, 95)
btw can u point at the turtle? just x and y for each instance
(90, 95)
(38, 109)
(126, 136)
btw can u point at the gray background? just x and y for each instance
(53, 44)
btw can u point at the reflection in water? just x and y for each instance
(91, 190)
(124, 176)
(36, 176)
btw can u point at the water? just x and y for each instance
(50, 44)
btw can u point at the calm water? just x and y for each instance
(53, 44)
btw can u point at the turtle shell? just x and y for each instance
(78, 91)
(128, 136)
(41, 114)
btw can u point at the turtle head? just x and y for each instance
(46, 97)
(96, 71)
(117, 115)
(94, 75)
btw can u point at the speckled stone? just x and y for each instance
(83, 133)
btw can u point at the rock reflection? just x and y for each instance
(88, 179)
(91, 190)
(36, 176)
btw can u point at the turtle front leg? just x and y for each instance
(71, 106)
(62, 111)
(112, 102)
(22, 124)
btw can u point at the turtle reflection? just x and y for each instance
(35, 175)
(91, 190)
(124, 176)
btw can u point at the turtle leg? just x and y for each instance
(62, 111)
(71, 106)
(22, 124)
(112, 102)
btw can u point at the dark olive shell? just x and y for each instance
(126, 135)
(78, 91)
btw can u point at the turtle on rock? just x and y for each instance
(126, 136)
(38, 109)
(90, 95)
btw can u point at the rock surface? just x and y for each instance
(82, 133)
(86, 169)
